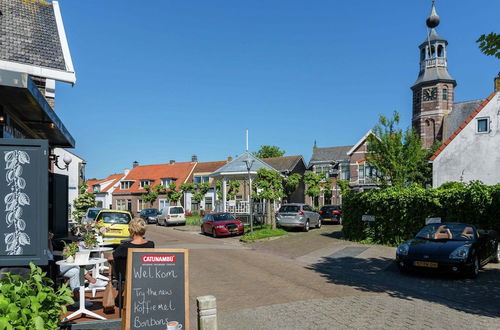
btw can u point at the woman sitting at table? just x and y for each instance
(136, 229)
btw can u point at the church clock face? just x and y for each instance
(429, 94)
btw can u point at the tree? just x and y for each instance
(489, 44)
(232, 189)
(83, 202)
(291, 184)
(269, 151)
(152, 194)
(313, 182)
(396, 155)
(327, 191)
(269, 185)
(200, 190)
(173, 195)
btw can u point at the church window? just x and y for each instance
(445, 94)
(483, 125)
(440, 51)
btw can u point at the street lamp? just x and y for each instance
(249, 163)
(66, 159)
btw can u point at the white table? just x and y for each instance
(95, 272)
(82, 309)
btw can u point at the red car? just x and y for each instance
(222, 224)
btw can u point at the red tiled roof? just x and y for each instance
(114, 177)
(461, 127)
(206, 167)
(178, 171)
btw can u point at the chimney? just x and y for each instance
(171, 162)
(497, 83)
(135, 164)
(229, 158)
(194, 158)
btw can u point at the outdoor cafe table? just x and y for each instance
(101, 250)
(82, 309)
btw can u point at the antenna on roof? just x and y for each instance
(247, 139)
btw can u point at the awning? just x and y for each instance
(22, 99)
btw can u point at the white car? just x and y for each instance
(171, 215)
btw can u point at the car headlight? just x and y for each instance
(403, 249)
(460, 253)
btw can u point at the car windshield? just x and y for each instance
(330, 208)
(92, 213)
(448, 232)
(176, 210)
(114, 217)
(223, 217)
(289, 209)
(150, 212)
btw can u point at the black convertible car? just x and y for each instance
(449, 247)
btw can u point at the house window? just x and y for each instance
(145, 183)
(163, 203)
(165, 182)
(445, 94)
(200, 178)
(121, 204)
(208, 204)
(96, 188)
(195, 206)
(141, 205)
(483, 125)
(124, 185)
(345, 173)
(321, 169)
(361, 172)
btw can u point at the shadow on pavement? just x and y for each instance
(478, 296)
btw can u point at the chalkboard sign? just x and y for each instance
(157, 295)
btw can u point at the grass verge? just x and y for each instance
(264, 232)
(193, 220)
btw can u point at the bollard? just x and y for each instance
(207, 313)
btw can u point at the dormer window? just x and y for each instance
(166, 182)
(200, 178)
(124, 185)
(96, 188)
(145, 183)
(483, 125)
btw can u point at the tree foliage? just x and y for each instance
(314, 184)
(489, 44)
(269, 185)
(152, 193)
(397, 155)
(232, 189)
(269, 151)
(83, 202)
(292, 183)
(200, 190)
(172, 194)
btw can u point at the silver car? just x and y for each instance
(298, 216)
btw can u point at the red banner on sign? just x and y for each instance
(158, 258)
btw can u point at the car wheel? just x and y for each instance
(306, 226)
(214, 234)
(474, 271)
(496, 259)
(202, 231)
(319, 224)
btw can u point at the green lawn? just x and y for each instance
(264, 232)
(193, 220)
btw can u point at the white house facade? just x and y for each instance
(75, 173)
(472, 152)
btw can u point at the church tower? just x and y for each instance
(433, 92)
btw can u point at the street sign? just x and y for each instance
(432, 220)
(157, 295)
(369, 218)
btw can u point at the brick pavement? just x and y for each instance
(356, 312)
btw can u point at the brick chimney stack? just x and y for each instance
(135, 164)
(171, 162)
(194, 158)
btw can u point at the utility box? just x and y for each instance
(23, 201)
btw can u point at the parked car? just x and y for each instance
(116, 223)
(91, 214)
(171, 215)
(449, 247)
(222, 224)
(150, 215)
(331, 213)
(297, 216)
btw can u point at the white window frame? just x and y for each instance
(121, 204)
(96, 188)
(126, 183)
(144, 183)
(166, 182)
(487, 125)
(164, 202)
(139, 202)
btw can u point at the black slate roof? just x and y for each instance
(282, 164)
(330, 154)
(460, 112)
(29, 35)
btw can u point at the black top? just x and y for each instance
(122, 250)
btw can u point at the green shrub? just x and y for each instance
(31, 303)
(401, 212)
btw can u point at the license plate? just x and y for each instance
(327, 219)
(174, 216)
(233, 229)
(427, 264)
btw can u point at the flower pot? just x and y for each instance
(70, 259)
(82, 257)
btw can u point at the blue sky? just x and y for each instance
(166, 79)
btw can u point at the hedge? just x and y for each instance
(401, 212)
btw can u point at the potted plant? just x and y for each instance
(69, 251)
(32, 303)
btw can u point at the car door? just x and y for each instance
(207, 224)
(313, 221)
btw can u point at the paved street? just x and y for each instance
(316, 281)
